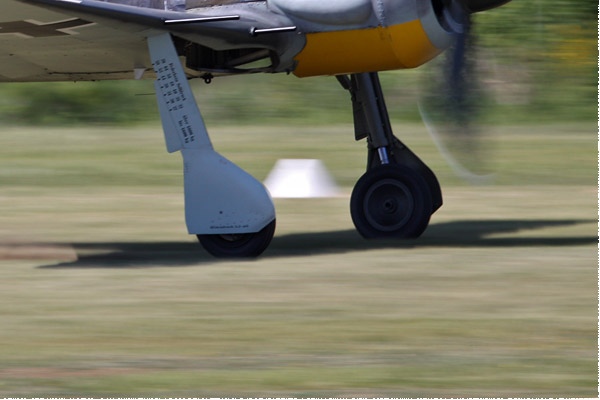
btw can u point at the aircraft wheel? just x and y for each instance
(245, 245)
(391, 201)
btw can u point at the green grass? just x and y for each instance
(104, 294)
(104, 156)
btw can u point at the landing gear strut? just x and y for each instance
(230, 212)
(398, 194)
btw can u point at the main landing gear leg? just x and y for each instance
(231, 213)
(398, 194)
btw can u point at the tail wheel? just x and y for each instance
(244, 245)
(391, 201)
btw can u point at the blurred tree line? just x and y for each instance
(538, 59)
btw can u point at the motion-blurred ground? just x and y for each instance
(103, 294)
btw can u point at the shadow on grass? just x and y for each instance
(474, 234)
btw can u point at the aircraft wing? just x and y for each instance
(75, 40)
(42, 44)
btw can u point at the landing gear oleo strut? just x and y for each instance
(398, 194)
(229, 210)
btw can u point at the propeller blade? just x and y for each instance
(455, 98)
(475, 6)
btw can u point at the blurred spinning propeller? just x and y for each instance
(455, 98)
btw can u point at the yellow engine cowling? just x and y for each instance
(412, 38)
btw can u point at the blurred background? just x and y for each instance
(104, 294)
(537, 62)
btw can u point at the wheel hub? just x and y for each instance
(388, 205)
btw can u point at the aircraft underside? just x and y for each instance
(232, 213)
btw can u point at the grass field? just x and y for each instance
(104, 294)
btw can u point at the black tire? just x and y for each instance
(245, 245)
(391, 201)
